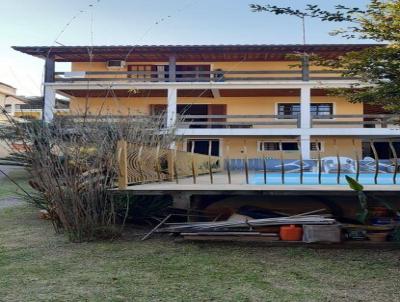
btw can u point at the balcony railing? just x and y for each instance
(357, 120)
(200, 76)
(238, 121)
(260, 121)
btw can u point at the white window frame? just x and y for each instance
(312, 103)
(261, 143)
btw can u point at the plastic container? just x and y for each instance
(321, 233)
(291, 233)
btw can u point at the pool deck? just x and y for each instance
(238, 186)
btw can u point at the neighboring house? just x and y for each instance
(247, 97)
(32, 108)
(9, 100)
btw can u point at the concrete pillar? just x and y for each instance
(305, 107)
(49, 103)
(49, 94)
(305, 147)
(305, 68)
(171, 108)
(181, 200)
(172, 68)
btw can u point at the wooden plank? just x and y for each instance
(231, 238)
(216, 233)
(209, 162)
(156, 228)
(122, 163)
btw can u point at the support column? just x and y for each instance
(49, 103)
(49, 95)
(171, 108)
(305, 107)
(305, 147)
(305, 68)
(172, 68)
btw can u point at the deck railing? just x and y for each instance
(200, 76)
(140, 164)
(144, 164)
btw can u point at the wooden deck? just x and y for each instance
(238, 186)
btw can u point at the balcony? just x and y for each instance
(262, 121)
(200, 76)
(289, 121)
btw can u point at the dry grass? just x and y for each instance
(37, 265)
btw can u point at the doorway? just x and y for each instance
(382, 149)
(202, 146)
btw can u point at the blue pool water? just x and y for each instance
(311, 178)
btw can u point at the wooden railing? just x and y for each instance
(200, 76)
(144, 164)
(357, 120)
(237, 121)
(140, 164)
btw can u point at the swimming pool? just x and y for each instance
(311, 178)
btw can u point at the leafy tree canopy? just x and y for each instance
(378, 67)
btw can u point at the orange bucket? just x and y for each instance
(291, 233)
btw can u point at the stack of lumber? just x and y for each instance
(244, 229)
(250, 223)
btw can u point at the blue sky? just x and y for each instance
(110, 22)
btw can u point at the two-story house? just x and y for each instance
(255, 99)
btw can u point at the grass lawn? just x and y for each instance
(37, 265)
(8, 188)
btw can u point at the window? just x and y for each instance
(202, 146)
(291, 110)
(276, 146)
(268, 146)
(321, 109)
(143, 71)
(314, 146)
(285, 146)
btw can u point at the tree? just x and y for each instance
(377, 67)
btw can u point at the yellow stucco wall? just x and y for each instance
(235, 105)
(237, 147)
(226, 66)
(234, 65)
(29, 114)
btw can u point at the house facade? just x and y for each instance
(224, 100)
(9, 101)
